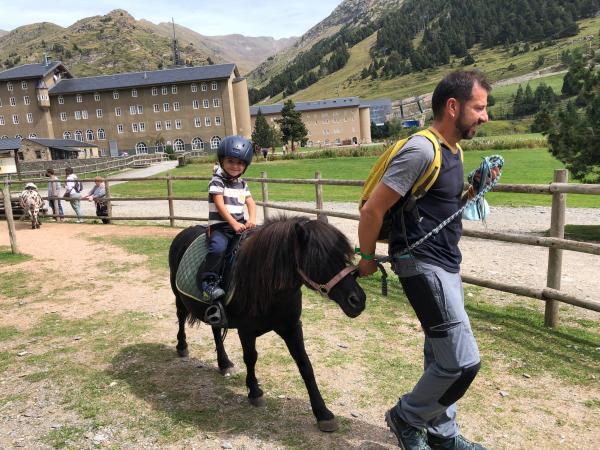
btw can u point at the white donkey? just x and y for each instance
(31, 201)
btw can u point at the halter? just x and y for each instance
(324, 289)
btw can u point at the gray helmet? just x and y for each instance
(236, 147)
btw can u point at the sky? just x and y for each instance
(274, 18)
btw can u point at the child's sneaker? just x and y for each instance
(212, 290)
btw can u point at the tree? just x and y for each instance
(262, 134)
(291, 125)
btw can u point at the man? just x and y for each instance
(426, 417)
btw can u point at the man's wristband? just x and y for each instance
(363, 255)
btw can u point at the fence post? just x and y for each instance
(265, 195)
(170, 195)
(319, 197)
(9, 216)
(557, 229)
(108, 201)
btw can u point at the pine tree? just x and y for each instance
(291, 125)
(262, 135)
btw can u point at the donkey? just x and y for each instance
(271, 266)
(31, 201)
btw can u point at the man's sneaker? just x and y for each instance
(212, 290)
(456, 443)
(409, 437)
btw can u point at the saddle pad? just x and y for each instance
(193, 258)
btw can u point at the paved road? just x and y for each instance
(137, 173)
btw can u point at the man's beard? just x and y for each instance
(467, 131)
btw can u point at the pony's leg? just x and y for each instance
(248, 341)
(182, 315)
(225, 364)
(294, 339)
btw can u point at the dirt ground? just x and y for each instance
(66, 260)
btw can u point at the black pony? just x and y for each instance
(271, 266)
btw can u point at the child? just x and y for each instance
(227, 195)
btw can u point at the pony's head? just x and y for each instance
(273, 258)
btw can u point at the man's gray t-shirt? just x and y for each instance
(408, 165)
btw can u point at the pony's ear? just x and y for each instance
(301, 232)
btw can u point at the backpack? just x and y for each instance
(419, 189)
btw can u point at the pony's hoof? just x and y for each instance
(328, 426)
(184, 353)
(227, 371)
(257, 401)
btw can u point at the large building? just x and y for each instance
(337, 121)
(189, 108)
(380, 110)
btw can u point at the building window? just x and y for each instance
(166, 107)
(32, 136)
(132, 110)
(9, 86)
(18, 136)
(207, 121)
(24, 85)
(142, 127)
(156, 107)
(134, 92)
(13, 101)
(61, 100)
(4, 137)
(89, 135)
(197, 122)
(204, 87)
(214, 142)
(2, 122)
(141, 148)
(0, 103)
(178, 124)
(29, 117)
(216, 102)
(179, 146)
(38, 154)
(176, 106)
(78, 98)
(205, 103)
(26, 100)
(159, 147)
(118, 111)
(167, 125)
(120, 128)
(77, 115)
(164, 90)
(63, 116)
(213, 85)
(115, 95)
(158, 125)
(134, 127)
(173, 89)
(78, 135)
(98, 113)
(101, 134)
(194, 87)
(84, 114)
(197, 144)
(97, 96)
(140, 109)
(196, 104)
(154, 90)
(15, 119)
(217, 121)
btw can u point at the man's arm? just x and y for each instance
(371, 219)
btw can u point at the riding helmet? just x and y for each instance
(236, 147)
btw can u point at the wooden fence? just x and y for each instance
(556, 243)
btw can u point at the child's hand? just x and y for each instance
(250, 224)
(238, 227)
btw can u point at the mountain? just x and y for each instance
(247, 52)
(2, 33)
(117, 42)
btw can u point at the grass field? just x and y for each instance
(529, 166)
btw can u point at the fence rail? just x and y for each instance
(555, 243)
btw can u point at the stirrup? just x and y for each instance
(215, 315)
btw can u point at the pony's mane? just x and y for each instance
(268, 261)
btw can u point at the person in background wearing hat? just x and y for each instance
(97, 194)
(54, 179)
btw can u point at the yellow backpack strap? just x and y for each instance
(379, 168)
(424, 183)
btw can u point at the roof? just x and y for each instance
(61, 144)
(147, 78)
(342, 102)
(10, 144)
(378, 102)
(66, 149)
(29, 71)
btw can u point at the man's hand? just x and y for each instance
(366, 268)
